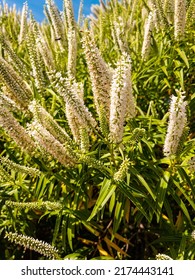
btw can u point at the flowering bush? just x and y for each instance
(97, 131)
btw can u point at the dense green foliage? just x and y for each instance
(63, 177)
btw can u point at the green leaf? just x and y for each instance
(103, 258)
(165, 70)
(41, 186)
(112, 202)
(142, 181)
(71, 230)
(106, 192)
(181, 204)
(118, 213)
(182, 190)
(183, 56)
(64, 231)
(180, 76)
(182, 248)
(193, 48)
(169, 211)
(75, 256)
(127, 190)
(161, 192)
(57, 227)
(186, 178)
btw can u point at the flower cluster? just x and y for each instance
(118, 34)
(177, 124)
(16, 61)
(137, 135)
(69, 14)
(36, 205)
(63, 153)
(169, 9)
(48, 122)
(55, 18)
(97, 10)
(8, 102)
(23, 23)
(45, 51)
(104, 125)
(36, 60)
(122, 100)
(17, 132)
(31, 243)
(19, 168)
(73, 122)
(72, 38)
(70, 91)
(80, 14)
(180, 19)
(100, 73)
(72, 53)
(147, 37)
(76, 124)
(4, 175)
(112, 89)
(16, 88)
(163, 257)
(161, 14)
(84, 140)
(121, 173)
(157, 14)
(190, 16)
(97, 164)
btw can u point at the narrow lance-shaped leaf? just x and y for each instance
(106, 192)
(161, 192)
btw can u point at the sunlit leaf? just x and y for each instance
(106, 192)
(161, 192)
(183, 56)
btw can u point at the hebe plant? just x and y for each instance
(89, 153)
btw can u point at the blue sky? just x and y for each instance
(37, 6)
